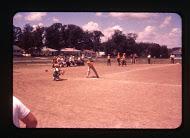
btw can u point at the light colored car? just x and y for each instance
(26, 55)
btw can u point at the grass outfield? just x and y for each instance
(135, 96)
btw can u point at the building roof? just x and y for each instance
(70, 50)
(89, 51)
(48, 49)
(15, 47)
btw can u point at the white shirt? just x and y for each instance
(19, 111)
(70, 58)
(73, 58)
(172, 56)
(56, 69)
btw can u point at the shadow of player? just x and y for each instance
(61, 80)
(92, 77)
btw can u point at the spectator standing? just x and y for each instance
(118, 59)
(123, 60)
(149, 58)
(108, 60)
(172, 58)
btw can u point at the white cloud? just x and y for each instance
(147, 35)
(91, 26)
(166, 22)
(35, 16)
(35, 26)
(132, 15)
(18, 16)
(174, 38)
(55, 19)
(171, 40)
(175, 32)
(149, 29)
(151, 34)
(41, 24)
(98, 14)
(108, 32)
(117, 27)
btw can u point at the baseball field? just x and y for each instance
(133, 96)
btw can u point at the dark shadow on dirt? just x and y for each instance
(61, 80)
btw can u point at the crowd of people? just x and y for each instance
(122, 59)
(65, 61)
(68, 61)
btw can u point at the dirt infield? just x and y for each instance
(135, 96)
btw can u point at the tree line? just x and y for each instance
(58, 36)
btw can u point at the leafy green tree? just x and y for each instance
(58, 36)
(164, 52)
(17, 32)
(131, 44)
(86, 42)
(152, 48)
(26, 39)
(142, 49)
(38, 37)
(95, 38)
(53, 36)
(119, 40)
(73, 36)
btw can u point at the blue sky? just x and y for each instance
(161, 28)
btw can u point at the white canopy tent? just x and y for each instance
(70, 51)
(89, 53)
(49, 51)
